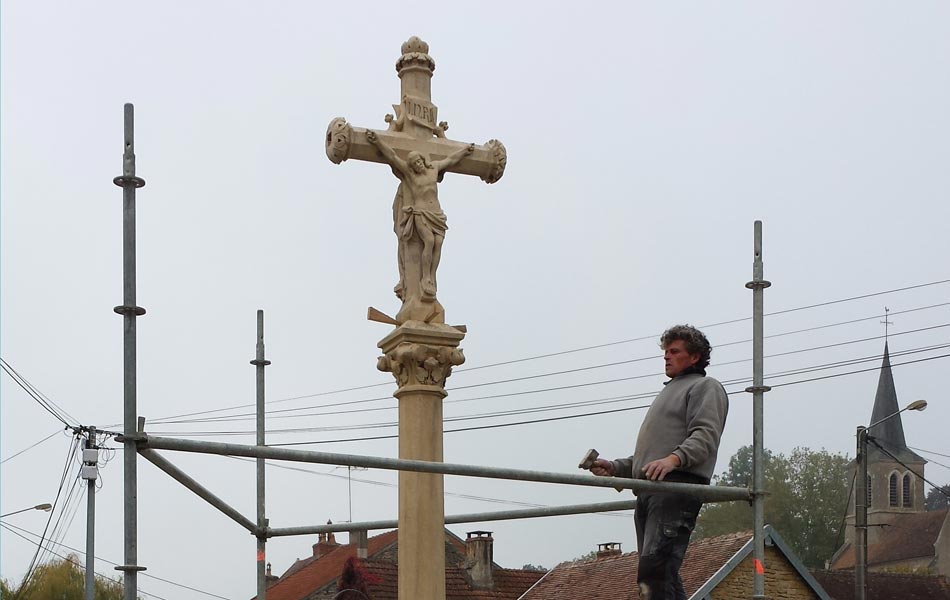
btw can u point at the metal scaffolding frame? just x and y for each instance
(136, 441)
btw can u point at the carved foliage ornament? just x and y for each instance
(339, 134)
(420, 364)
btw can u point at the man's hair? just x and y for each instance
(696, 342)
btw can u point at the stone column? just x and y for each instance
(421, 356)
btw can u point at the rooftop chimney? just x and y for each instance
(478, 559)
(362, 543)
(326, 543)
(270, 578)
(608, 549)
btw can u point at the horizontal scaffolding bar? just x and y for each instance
(183, 478)
(503, 515)
(707, 493)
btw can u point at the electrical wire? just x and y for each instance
(468, 369)
(24, 584)
(930, 459)
(530, 422)
(775, 375)
(900, 462)
(169, 419)
(12, 456)
(40, 398)
(458, 400)
(141, 574)
(67, 558)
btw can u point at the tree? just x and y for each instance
(938, 498)
(63, 580)
(537, 568)
(808, 496)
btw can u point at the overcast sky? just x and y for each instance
(643, 141)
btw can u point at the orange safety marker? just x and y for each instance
(260, 555)
(759, 568)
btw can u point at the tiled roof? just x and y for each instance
(311, 574)
(614, 577)
(885, 586)
(308, 575)
(509, 583)
(909, 536)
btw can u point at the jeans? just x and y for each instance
(664, 522)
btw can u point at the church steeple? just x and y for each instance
(890, 433)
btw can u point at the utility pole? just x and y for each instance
(861, 517)
(90, 472)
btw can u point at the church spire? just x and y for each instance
(885, 404)
(890, 433)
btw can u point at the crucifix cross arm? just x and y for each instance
(416, 148)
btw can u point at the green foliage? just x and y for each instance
(586, 557)
(808, 495)
(63, 580)
(938, 498)
(530, 567)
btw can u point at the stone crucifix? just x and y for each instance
(415, 146)
(422, 350)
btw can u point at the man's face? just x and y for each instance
(677, 359)
(417, 163)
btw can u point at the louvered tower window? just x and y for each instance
(867, 501)
(908, 497)
(892, 495)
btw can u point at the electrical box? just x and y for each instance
(90, 472)
(90, 456)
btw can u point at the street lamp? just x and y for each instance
(46, 506)
(860, 503)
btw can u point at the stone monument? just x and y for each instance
(422, 350)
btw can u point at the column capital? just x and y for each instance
(421, 356)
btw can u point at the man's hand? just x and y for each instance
(657, 470)
(470, 149)
(602, 468)
(371, 137)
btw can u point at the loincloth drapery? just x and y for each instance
(435, 221)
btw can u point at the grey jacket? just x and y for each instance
(685, 419)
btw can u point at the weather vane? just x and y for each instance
(886, 322)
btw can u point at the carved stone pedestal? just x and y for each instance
(421, 356)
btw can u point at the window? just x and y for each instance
(908, 496)
(892, 496)
(867, 501)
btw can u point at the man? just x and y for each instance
(678, 441)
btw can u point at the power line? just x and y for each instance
(12, 456)
(900, 462)
(799, 371)
(24, 584)
(930, 459)
(167, 419)
(181, 585)
(244, 416)
(10, 528)
(495, 426)
(40, 398)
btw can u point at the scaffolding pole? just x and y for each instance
(708, 493)
(758, 389)
(259, 362)
(502, 515)
(129, 182)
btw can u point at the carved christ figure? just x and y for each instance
(416, 211)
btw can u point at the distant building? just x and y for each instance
(902, 535)
(470, 572)
(717, 568)
(885, 586)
